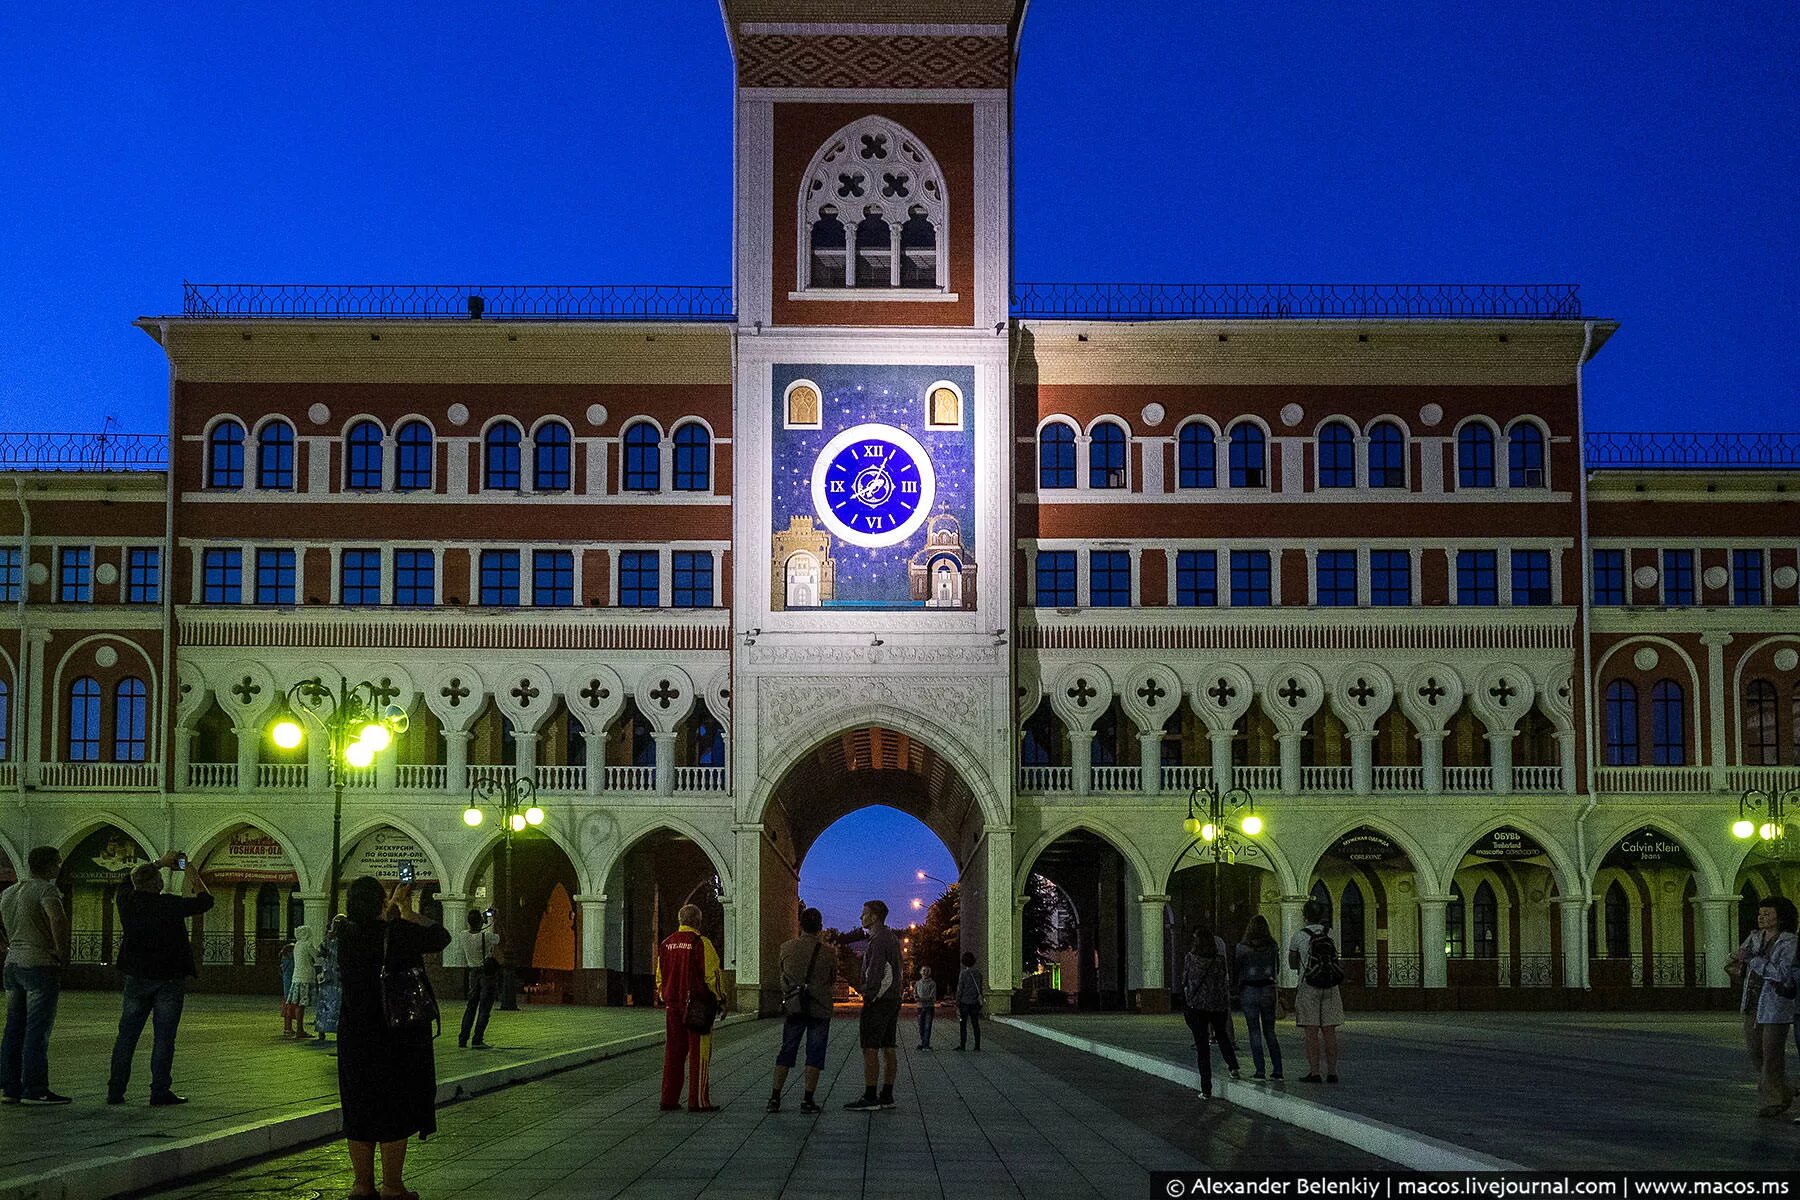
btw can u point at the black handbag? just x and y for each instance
(797, 1000)
(407, 998)
(702, 1005)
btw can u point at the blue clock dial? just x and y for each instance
(873, 485)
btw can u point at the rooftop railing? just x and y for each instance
(84, 452)
(592, 302)
(1712, 451)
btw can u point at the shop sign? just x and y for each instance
(1365, 845)
(250, 856)
(1649, 846)
(381, 853)
(106, 856)
(1506, 843)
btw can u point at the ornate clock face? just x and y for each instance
(873, 485)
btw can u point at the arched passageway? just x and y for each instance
(531, 892)
(1642, 931)
(645, 890)
(1080, 926)
(256, 894)
(1367, 880)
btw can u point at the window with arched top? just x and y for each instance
(1196, 457)
(1668, 717)
(84, 720)
(412, 457)
(693, 458)
(1322, 894)
(643, 458)
(1621, 724)
(943, 407)
(1475, 456)
(1352, 921)
(1484, 926)
(130, 720)
(362, 457)
(1337, 456)
(1618, 922)
(275, 457)
(872, 212)
(1056, 456)
(500, 465)
(1248, 456)
(5, 721)
(802, 405)
(1106, 456)
(225, 456)
(1456, 916)
(552, 458)
(1762, 733)
(1387, 456)
(1525, 455)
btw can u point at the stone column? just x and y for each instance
(525, 755)
(456, 762)
(387, 771)
(456, 917)
(665, 763)
(1565, 757)
(34, 706)
(1289, 741)
(1434, 971)
(181, 750)
(1362, 761)
(1500, 754)
(1292, 917)
(1081, 759)
(1718, 774)
(1715, 937)
(1431, 759)
(593, 930)
(313, 910)
(596, 764)
(747, 883)
(1573, 913)
(1153, 994)
(1220, 740)
(1150, 762)
(249, 746)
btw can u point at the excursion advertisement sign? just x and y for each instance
(250, 856)
(381, 853)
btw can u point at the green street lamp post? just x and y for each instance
(1771, 831)
(1208, 820)
(516, 800)
(358, 723)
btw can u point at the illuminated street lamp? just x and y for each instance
(357, 723)
(1209, 819)
(516, 800)
(1771, 831)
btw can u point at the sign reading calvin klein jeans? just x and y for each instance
(1647, 847)
(1506, 842)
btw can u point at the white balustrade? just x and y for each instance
(1256, 779)
(1046, 779)
(287, 777)
(421, 777)
(699, 779)
(98, 776)
(560, 778)
(1468, 779)
(497, 774)
(1537, 779)
(1764, 779)
(212, 777)
(1185, 779)
(1398, 779)
(631, 779)
(1325, 779)
(9, 774)
(359, 778)
(1117, 779)
(1654, 779)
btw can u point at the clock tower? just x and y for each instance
(872, 465)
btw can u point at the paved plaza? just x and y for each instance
(1023, 1118)
(1597, 1090)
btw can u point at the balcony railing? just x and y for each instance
(212, 777)
(1046, 779)
(421, 777)
(1256, 779)
(1325, 779)
(1185, 779)
(413, 301)
(558, 778)
(1653, 779)
(631, 779)
(1281, 301)
(9, 774)
(84, 452)
(1117, 779)
(99, 776)
(1764, 779)
(1537, 779)
(1398, 779)
(1468, 779)
(1741, 451)
(286, 777)
(700, 779)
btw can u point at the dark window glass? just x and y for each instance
(1334, 573)
(1525, 455)
(75, 575)
(12, 572)
(143, 575)
(1668, 708)
(1352, 922)
(918, 252)
(1531, 578)
(225, 456)
(553, 578)
(643, 458)
(1477, 578)
(1762, 732)
(874, 253)
(1455, 919)
(693, 458)
(1197, 457)
(639, 585)
(1247, 460)
(500, 459)
(1390, 578)
(1486, 923)
(692, 582)
(827, 252)
(5, 720)
(1609, 577)
(413, 457)
(499, 578)
(1746, 577)
(1056, 456)
(415, 578)
(359, 577)
(130, 720)
(1337, 456)
(1056, 579)
(84, 720)
(1197, 578)
(275, 457)
(1475, 456)
(1109, 579)
(1387, 456)
(1678, 577)
(221, 577)
(1249, 578)
(552, 456)
(363, 466)
(1621, 724)
(1106, 456)
(1618, 922)
(274, 576)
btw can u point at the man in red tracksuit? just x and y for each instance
(684, 957)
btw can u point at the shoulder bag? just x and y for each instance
(407, 998)
(702, 1005)
(797, 1000)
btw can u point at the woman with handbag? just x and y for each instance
(387, 1081)
(1765, 964)
(1206, 1003)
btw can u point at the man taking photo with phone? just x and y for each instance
(157, 959)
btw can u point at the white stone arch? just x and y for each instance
(1343, 419)
(525, 695)
(626, 424)
(14, 856)
(191, 692)
(92, 820)
(1361, 694)
(842, 155)
(1556, 698)
(1056, 419)
(58, 698)
(962, 404)
(1562, 859)
(1432, 695)
(1424, 866)
(717, 696)
(401, 422)
(1181, 426)
(361, 829)
(1080, 693)
(1502, 696)
(1691, 686)
(1279, 864)
(665, 821)
(1152, 694)
(218, 831)
(1290, 695)
(712, 447)
(553, 829)
(1711, 882)
(1100, 827)
(1737, 687)
(1221, 695)
(244, 673)
(1084, 449)
(255, 432)
(455, 693)
(665, 695)
(1028, 692)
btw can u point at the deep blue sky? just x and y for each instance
(874, 854)
(1647, 152)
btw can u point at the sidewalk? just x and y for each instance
(1653, 1091)
(249, 1091)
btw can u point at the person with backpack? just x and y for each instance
(1256, 973)
(971, 986)
(691, 984)
(808, 970)
(1319, 1000)
(1206, 1003)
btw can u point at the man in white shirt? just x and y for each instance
(481, 978)
(35, 929)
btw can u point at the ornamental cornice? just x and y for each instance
(456, 629)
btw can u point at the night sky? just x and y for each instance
(1648, 153)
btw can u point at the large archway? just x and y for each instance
(854, 769)
(645, 888)
(527, 884)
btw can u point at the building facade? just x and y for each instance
(1041, 565)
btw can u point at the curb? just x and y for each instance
(1402, 1147)
(96, 1178)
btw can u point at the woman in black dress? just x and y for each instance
(387, 1082)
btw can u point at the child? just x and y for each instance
(306, 973)
(289, 1013)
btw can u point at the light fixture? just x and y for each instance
(517, 821)
(1771, 826)
(287, 733)
(376, 737)
(917, 903)
(1743, 829)
(472, 816)
(359, 754)
(1251, 825)
(534, 815)
(395, 718)
(1768, 832)
(1209, 832)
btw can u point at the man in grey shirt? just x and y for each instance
(881, 987)
(808, 968)
(36, 932)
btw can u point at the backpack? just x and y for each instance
(1323, 967)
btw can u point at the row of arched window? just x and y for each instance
(88, 731)
(1384, 461)
(503, 458)
(1763, 744)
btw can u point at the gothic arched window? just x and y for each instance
(275, 457)
(1387, 456)
(551, 457)
(225, 456)
(1056, 456)
(1337, 456)
(1618, 922)
(1486, 924)
(500, 460)
(1197, 463)
(1668, 713)
(412, 457)
(1621, 724)
(362, 466)
(643, 458)
(1106, 456)
(130, 720)
(1475, 456)
(84, 720)
(1246, 456)
(1762, 733)
(693, 458)
(1525, 455)
(872, 212)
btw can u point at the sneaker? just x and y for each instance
(46, 1097)
(774, 1104)
(1331, 1079)
(885, 1102)
(1276, 1075)
(1234, 1074)
(1204, 1095)
(863, 1104)
(1260, 1075)
(166, 1099)
(115, 1097)
(810, 1108)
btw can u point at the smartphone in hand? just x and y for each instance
(181, 861)
(406, 871)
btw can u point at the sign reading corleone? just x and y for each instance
(381, 853)
(249, 856)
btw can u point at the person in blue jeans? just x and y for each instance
(157, 957)
(1257, 969)
(35, 929)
